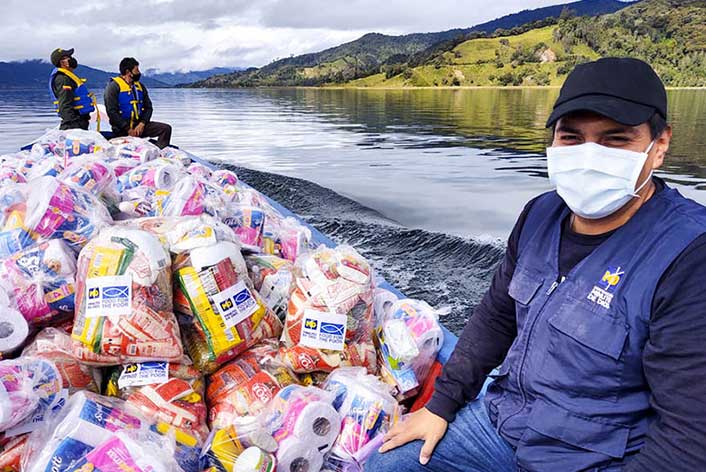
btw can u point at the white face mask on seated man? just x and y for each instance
(594, 180)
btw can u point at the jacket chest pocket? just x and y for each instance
(584, 352)
(523, 288)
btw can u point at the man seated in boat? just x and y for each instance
(596, 316)
(129, 106)
(72, 100)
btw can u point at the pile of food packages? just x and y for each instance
(157, 315)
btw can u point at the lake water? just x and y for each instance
(428, 183)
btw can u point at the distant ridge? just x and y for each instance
(182, 78)
(34, 73)
(367, 54)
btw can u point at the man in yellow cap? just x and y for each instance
(73, 102)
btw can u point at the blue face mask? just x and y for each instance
(593, 180)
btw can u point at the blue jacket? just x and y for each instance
(130, 100)
(571, 394)
(83, 99)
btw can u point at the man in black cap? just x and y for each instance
(596, 315)
(129, 106)
(73, 102)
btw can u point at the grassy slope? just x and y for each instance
(670, 34)
(474, 63)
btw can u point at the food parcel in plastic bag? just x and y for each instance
(14, 236)
(329, 320)
(222, 312)
(367, 410)
(124, 298)
(69, 143)
(11, 451)
(56, 346)
(226, 180)
(242, 446)
(248, 223)
(91, 174)
(164, 392)
(305, 425)
(190, 196)
(55, 210)
(273, 279)
(42, 281)
(28, 387)
(94, 433)
(408, 337)
(247, 384)
(285, 237)
(134, 148)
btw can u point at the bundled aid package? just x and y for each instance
(368, 411)
(222, 313)
(55, 210)
(273, 279)
(305, 425)
(408, 337)
(124, 299)
(42, 281)
(94, 433)
(242, 446)
(56, 346)
(247, 384)
(329, 320)
(164, 392)
(27, 385)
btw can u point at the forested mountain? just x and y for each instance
(372, 52)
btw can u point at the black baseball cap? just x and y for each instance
(623, 89)
(58, 53)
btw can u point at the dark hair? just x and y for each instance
(657, 124)
(127, 64)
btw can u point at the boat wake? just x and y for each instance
(445, 270)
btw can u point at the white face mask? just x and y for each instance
(593, 180)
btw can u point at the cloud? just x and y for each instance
(171, 35)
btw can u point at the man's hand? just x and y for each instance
(139, 129)
(132, 132)
(422, 424)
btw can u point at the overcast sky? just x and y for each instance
(184, 35)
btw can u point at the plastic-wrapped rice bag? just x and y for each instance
(163, 392)
(367, 410)
(246, 385)
(55, 345)
(94, 433)
(408, 336)
(124, 298)
(42, 280)
(329, 321)
(25, 384)
(222, 312)
(305, 425)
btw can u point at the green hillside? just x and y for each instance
(374, 52)
(669, 34)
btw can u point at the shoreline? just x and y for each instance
(440, 87)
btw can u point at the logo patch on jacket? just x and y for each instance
(602, 292)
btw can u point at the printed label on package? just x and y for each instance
(322, 330)
(235, 304)
(109, 296)
(144, 373)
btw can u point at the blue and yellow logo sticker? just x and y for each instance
(311, 324)
(226, 304)
(94, 293)
(611, 278)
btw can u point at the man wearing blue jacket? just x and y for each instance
(596, 316)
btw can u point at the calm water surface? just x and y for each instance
(426, 181)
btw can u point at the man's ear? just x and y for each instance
(661, 147)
